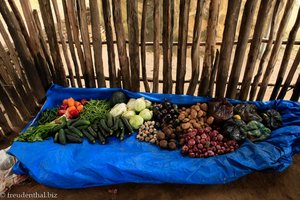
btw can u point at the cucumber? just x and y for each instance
(109, 120)
(82, 127)
(73, 139)
(75, 130)
(101, 137)
(122, 130)
(116, 123)
(104, 126)
(81, 123)
(95, 127)
(92, 131)
(103, 132)
(118, 133)
(69, 132)
(56, 137)
(58, 127)
(62, 136)
(71, 121)
(88, 136)
(127, 125)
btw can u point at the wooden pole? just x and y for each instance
(290, 76)
(97, 42)
(182, 39)
(266, 53)
(156, 39)
(296, 92)
(63, 42)
(143, 46)
(121, 44)
(23, 51)
(167, 45)
(133, 37)
(214, 73)
(4, 124)
(209, 47)
(232, 16)
(245, 29)
(71, 43)
(286, 56)
(260, 26)
(276, 48)
(195, 48)
(110, 45)
(89, 72)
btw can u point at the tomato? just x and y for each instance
(61, 112)
(71, 102)
(83, 101)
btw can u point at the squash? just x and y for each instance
(117, 97)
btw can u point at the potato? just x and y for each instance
(163, 144)
(196, 125)
(160, 135)
(173, 136)
(185, 125)
(178, 129)
(172, 145)
(186, 120)
(181, 116)
(193, 114)
(197, 108)
(188, 111)
(204, 107)
(200, 113)
(204, 114)
(193, 121)
(210, 120)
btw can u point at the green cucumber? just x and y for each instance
(92, 131)
(62, 136)
(89, 136)
(75, 130)
(82, 127)
(56, 137)
(104, 126)
(116, 123)
(101, 137)
(73, 139)
(95, 127)
(122, 129)
(71, 121)
(127, 125)
(69, 132)
(103, 132)
(109, 121)
(81, 123)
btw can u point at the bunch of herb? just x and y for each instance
(95, 110)
(48, 116)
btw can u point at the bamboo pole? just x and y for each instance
(63, 42)
(120, 34)
(75, 31)
(156, 39)
(181, 49)
(52, 40)
(296, 92)
(106, 11)
(167, 35)
(276, 49)
(286, 56)
(71, 43)
(89, 72)
(245, 29)
(232, 16)
(195, 48)
(23, 51)
(97, 43)
(260, 26)
(143, 46)
(266, 53)
(290, 76)
(133, 37)
(209, 47)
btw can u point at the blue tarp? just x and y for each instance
(86, 165)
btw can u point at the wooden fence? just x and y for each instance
(31, 59)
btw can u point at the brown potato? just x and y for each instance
(210, 120)
(163, 144)
(193, 121)
(204, 107)
(197, 108)
(193, 114)
(185, 125)
(200, 113)
(181, 116)
(197, 125)
(186, 120)
(188, 111)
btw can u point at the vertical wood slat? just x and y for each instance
(209, 47)
(182, 40)
(260, 26)
(276, 49)
(266, 53)
(167, 45)
(156, 39)
(214, 74)
(106, 11)
(232, 16)
(133, 37)
(4, 123)
(245, 29)
(47, 17)
(195, 48)
(296, 92)
(75, 31)
(71, 43)
(290, 76)
(63, 41)
(23, 51)
(143, 46)
(97, 43)
(121, 44)
(88, 73)
(286, 56)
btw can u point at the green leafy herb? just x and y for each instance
(95, 110)
(48, 116)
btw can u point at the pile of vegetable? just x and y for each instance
(199, 131)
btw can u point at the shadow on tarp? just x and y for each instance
(86, 165)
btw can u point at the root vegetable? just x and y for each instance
(163, 144)
(185, 125)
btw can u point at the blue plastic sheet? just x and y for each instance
(86, 165)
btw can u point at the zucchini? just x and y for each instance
(109, 121)
(71, 121)
(82, 127)
(116, 123)
(127, 125)
(104, 126)
(81, 123)
(92, 132)
(73, 139)
(101, 137)
(103, 132)
(62, 136)
(122, 130)
(56, 137)
(95, 127)
(75, 130)
(58, 127)
(118, 133)
(69, 132)
(89, 136)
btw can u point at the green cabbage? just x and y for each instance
(131, 104)
(136, 121)
(139, 104)
(118, 109)
(128, 114)
(146, 114)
